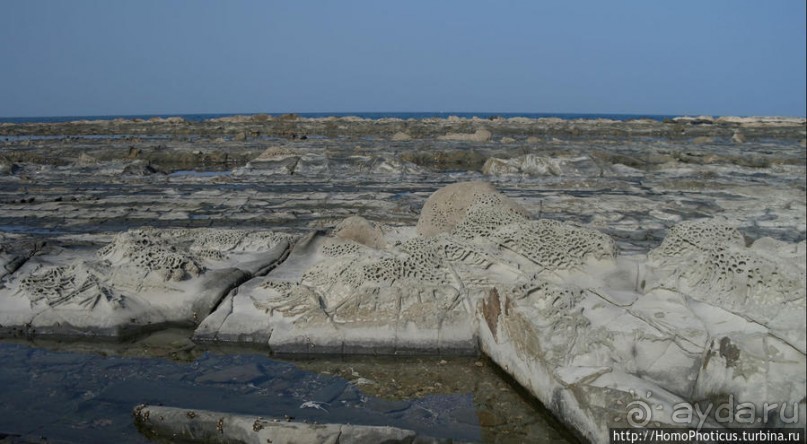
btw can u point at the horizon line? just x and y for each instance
(357, 113)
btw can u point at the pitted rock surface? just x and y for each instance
(142, 278)
(450, 205)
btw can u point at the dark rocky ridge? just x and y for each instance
(247, 127)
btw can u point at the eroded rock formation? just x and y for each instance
(143, 279)
(702, 319)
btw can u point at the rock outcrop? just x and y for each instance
(581, 327)
(143, 279)
(536, 166)
(186, 425)
(603, 339)
(481, 135)
(696, 327)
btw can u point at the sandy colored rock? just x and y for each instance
(359, 229)
(481, 135)
(448, 206)
(700, 140)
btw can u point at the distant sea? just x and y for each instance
(373, 115)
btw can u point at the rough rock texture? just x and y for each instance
(708, 315)
(142, 279)
(481, 135)
(286, 161)
(536, 166)
(176, 424)
(8, 168)
(401, 136)
(334, 294)
(360, 230)
(657, 324)
(581, 327)
(449, 205)
(696, 324)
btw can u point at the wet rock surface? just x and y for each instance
(78, 392)
(590, 260)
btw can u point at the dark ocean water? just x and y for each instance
(365, 115)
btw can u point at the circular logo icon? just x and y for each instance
(639, 414)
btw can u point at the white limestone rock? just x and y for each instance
(336, 295)
(364, 289)
(401, 136)
(449, 205)
(481, 135)
(142, 279)
(703, 318)
(532, 165)
(765, 283)
(186, 425)
(278, 160)
(688, 326)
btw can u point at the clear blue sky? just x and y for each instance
(83, 57)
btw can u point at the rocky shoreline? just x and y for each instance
(293, 127)
(590, 259)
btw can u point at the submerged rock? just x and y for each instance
(172, 423)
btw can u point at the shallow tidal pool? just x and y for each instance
(79, 392)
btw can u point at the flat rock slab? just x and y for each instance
(176, 424)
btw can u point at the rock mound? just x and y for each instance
(371, 290)
(481, 135)
(448, 206)
(709, 260)
(286, 161)
(359, 229)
